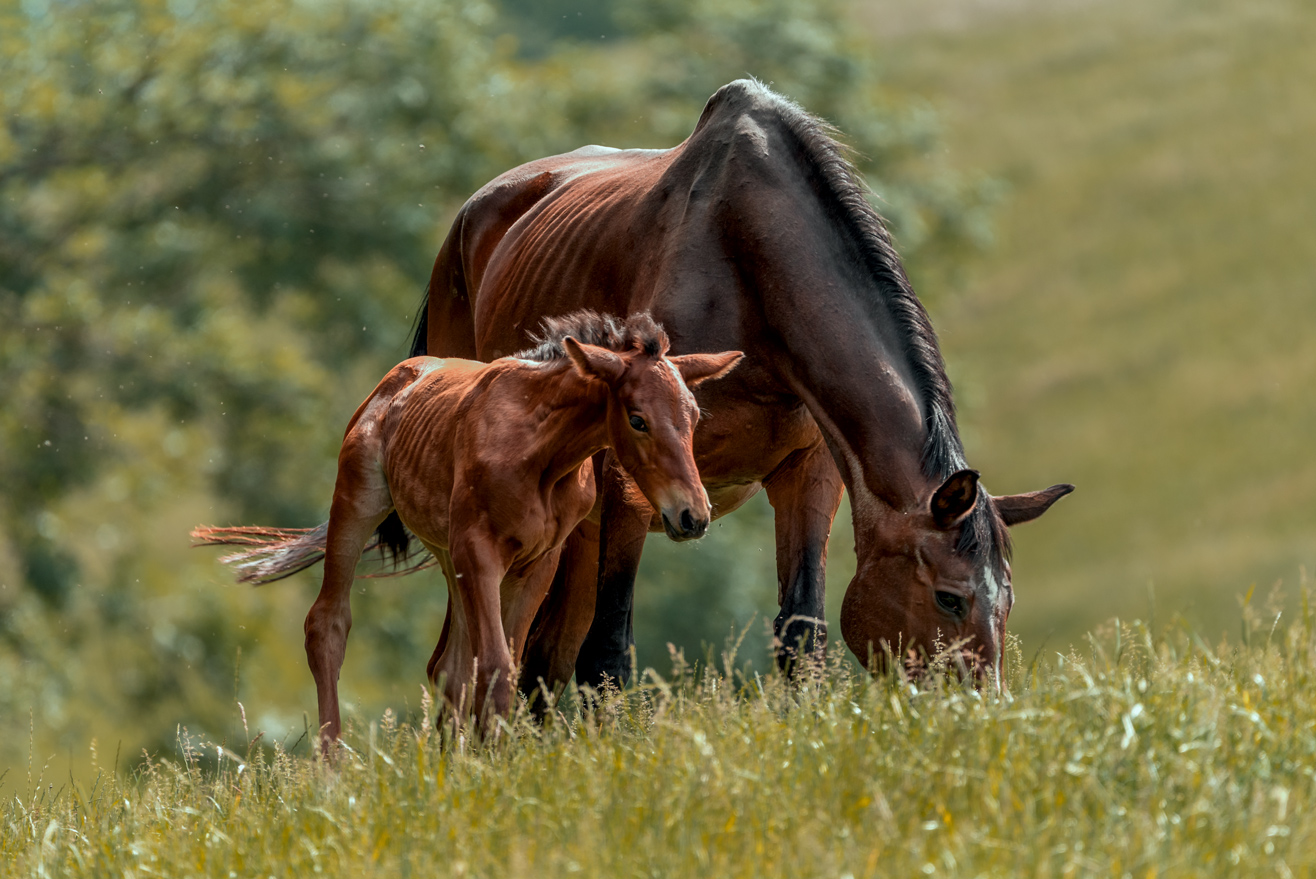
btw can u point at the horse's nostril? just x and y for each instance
(688, 524)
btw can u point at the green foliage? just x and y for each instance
(1135, 758)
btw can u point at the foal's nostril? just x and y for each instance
(688, 524)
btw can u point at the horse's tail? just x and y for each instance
(421, 326)
(274, 553)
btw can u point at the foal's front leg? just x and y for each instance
(361, 502)
(477, 651)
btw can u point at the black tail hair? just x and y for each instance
(420, 327)
(393, 538)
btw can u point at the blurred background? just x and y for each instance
(217, 221)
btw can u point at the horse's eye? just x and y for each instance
(951, 603)
(638, 423)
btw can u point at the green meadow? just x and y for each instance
(1136, 756)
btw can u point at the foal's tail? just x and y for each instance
(274, 553)
(271, 553)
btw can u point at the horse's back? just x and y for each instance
(523, 231)
(617, 231)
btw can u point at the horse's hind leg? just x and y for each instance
(361, 501)
(605, 656)
(563, 619)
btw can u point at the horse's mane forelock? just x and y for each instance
(983, 533)
(639, 330)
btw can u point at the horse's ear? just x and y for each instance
(955, 499)
(591, 361)
(1016, 508)
(698, 368)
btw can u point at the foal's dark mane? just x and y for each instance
(639, 330)
(846, 197)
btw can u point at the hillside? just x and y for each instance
(1143, 326)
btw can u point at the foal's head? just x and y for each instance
(651, 413)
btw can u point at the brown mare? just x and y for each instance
(489, 465)
(754, 234)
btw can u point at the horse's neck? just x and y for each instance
(846, 356)
(568, 414)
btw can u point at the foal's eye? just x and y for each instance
(638, 423)
(951, 603)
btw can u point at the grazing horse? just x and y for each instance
(754, 234)
(489, 465)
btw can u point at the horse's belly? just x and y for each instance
(742, 440)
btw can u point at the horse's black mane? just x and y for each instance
(847, 197)
(639, 330)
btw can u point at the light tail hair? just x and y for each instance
(271, 554)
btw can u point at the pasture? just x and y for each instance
(1134, 756)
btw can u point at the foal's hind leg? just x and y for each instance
(361, 501)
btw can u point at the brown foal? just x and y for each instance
(489, 465)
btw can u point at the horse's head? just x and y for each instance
(651, 423)
(938, 579)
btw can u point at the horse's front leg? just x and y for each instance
(606, 653)
(805, 491)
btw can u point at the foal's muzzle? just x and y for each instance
(686, 527)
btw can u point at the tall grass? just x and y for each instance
(1136, 757)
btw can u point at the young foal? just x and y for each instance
(489, 466)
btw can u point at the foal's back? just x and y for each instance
(410, 423)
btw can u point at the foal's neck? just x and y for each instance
(569, 414)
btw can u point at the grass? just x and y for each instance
(1137, 757)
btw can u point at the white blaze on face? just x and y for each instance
(989, 587)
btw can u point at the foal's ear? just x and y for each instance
(591, 361)
(698, 368)
(955, 499)
(1016, 508)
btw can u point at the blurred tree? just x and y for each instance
(538, 25)
(213, 222)
(211, 209)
